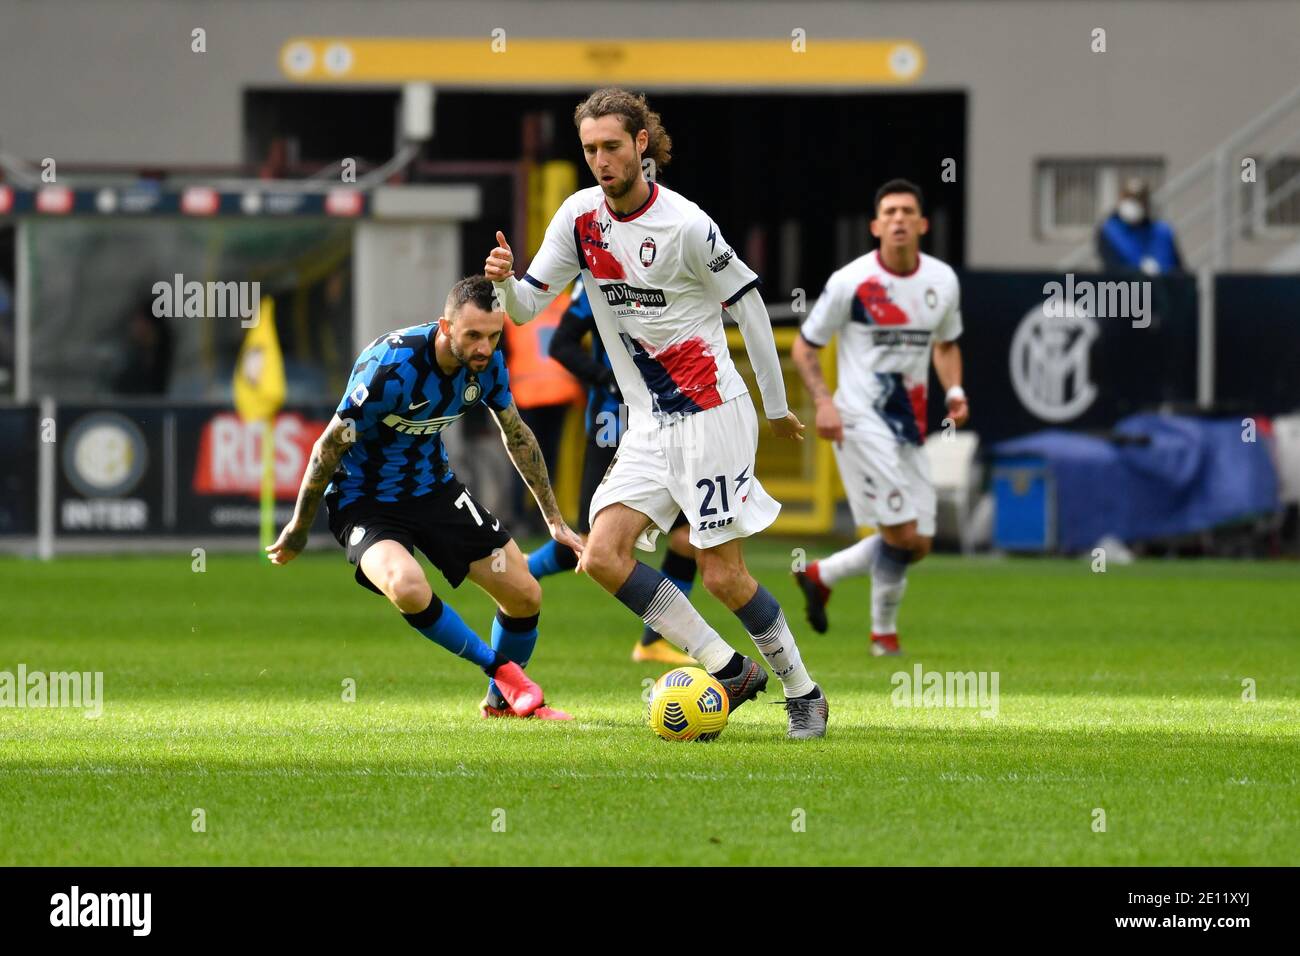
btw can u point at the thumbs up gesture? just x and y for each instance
(500, 263)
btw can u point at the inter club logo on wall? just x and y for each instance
(105, 455)
(647, 252)
(1049, 364)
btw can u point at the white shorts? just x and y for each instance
(701, 465)
(887, 481)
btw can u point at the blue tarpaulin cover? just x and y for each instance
(1193, 474)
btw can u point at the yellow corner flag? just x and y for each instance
(259, 393)
(259, 370)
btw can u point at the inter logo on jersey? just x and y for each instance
(472, 391)
(647, 252)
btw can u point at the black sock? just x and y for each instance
(811, 695)
(565, 559)
(491, 669)
(679, 567)
(732, 667)
(422, 619)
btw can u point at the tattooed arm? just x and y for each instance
(524, 451)
(337, 437)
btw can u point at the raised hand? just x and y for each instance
(500, 263)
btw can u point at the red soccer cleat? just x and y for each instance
(520, 693)
(487, 710)
(885, 645)
(550, 713)
(543, 712)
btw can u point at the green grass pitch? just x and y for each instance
(1120, 692)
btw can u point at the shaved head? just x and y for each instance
(476, 290)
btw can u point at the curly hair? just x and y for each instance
(636, 115)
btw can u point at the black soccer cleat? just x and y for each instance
(748, 684)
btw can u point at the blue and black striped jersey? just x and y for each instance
(400, 399)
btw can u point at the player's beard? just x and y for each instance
(459, 355)
(621, 187)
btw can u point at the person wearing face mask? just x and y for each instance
(1129, 239)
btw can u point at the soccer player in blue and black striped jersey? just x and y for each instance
(382, 469)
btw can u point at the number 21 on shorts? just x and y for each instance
(709, 487)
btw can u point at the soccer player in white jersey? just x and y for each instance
(891, 308)
(658, 274)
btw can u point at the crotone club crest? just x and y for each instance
(647, 252)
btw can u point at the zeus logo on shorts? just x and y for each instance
(710, 525)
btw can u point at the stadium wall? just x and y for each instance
(118, 82)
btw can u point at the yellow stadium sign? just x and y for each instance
(502, 60)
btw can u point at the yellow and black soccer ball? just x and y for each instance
(688, 704)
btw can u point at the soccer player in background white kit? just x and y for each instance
(891, 309)
(658, 274)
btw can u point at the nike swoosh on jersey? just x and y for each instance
(414, 406)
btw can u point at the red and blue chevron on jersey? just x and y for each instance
(887, 324)
(657, 280)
